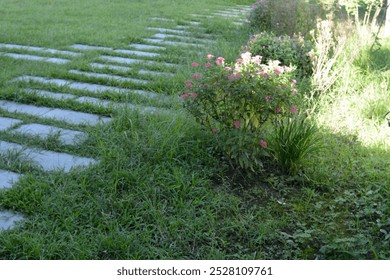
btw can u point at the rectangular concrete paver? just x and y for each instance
(38, 49)
(130, 61)
(74, 117)
(187, 38)
(14, 107)
(168, 30)
(49, 94)
(173, 43)
(90, 48)
(68, 116)
(8, 178)
(110, 67)
(65, 136)
(127, 69)
(137, 53)
(146, 47)
(71, 84)
(108, 76)
(85, 99)
(8, 219)
(120, 51)
(48, 160)
(36, 58)
(6, 123)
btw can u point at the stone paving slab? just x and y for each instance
(8, 219)
(77, 118)
(49, 94)
(120, 51)
(96, 101)
(48, 160)
(14, 107)
(146, 47)
(8, 179)
(130, 61)
(181, 33)
(128, 69)
(39, 49)
(169, 30)
(36, 58)
(110, 67)
(65, 136)
(71, 84)
(83, 47)
(67, 116)
(108, 76)
(6, 123)
(137, 53)
(52, 94)
(170, 36)
(202, 16)
(173, 43)
(154, 73)
(191, 22)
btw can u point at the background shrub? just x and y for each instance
(289, 50)
(285, 16)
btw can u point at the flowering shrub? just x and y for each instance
(239, 102)
(289, 50)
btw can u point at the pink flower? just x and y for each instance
(197, 76)
(265, 75)
(293, 109)
(278, 110)
(239, 61)
(227, 68)
(263, 144)
(268, 98)
(188, 84)
(210, 56)
(208, 64)
(237, 75)
(194, 64)
(277, 71)
(194, 95)
(231, 77)
(220, 61)
(184, 96)
(237, 124)
(294, 82)
(294, 91)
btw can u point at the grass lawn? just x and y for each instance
(159, 191)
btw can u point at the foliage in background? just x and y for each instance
(285, 17)
(236, 102)
(289, 50)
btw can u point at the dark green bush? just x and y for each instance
(289, 50)
(285, 16)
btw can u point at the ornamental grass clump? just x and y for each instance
(240, 103)
(295, 139)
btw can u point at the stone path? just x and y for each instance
(15, 115)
